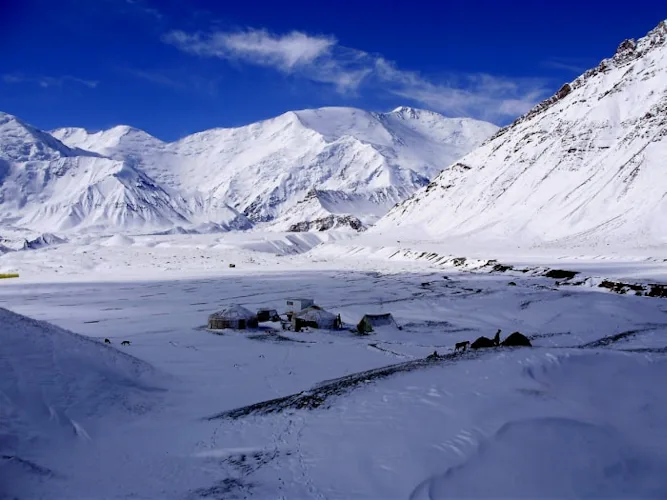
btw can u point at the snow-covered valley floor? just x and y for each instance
(582, 413)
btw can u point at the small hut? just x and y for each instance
(232, 316)
(296, 305)
(371, 321)
(315, 317)
(267, 315)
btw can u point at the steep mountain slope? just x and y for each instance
(265, 169)
(45, 185)
(583, 167)
(22, 142)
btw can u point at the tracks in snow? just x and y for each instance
(320, 394)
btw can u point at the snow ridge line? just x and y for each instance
(317, 396)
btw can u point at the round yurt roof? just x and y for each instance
(233, 312)
(314, 313)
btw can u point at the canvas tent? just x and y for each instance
(232, 316)
(371, 321)
(315, 317)
(267, 315)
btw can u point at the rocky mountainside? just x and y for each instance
(366, 162)
(584, 167)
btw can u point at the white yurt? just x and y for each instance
(315, 317)
(233, 316)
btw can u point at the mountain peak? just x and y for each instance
(403, 109)
(369, 160)
(127, 129)
(409, 112)
(23, 142)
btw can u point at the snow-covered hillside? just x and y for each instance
(48, 186)
(55, 386)
(370, 161)
(259, 414)
(583, 167)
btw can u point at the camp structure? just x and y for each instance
(296, 305)
(315, 317)
(233, 316)
(370, 321)
(267, 315)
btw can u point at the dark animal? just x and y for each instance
(461, 345)
(232, 265)
(484, 342)
(107, 341)
(125, 342)
(433, 356)
(517, 339)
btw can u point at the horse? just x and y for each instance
(462, 345)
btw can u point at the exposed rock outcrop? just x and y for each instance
(330, 222)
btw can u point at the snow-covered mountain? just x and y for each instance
(364, 162)
(584, 166)
(48, 186)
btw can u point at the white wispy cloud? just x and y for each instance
(284, 52)
(322, 59)
(47, 81)
(480, 95)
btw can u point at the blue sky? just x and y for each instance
(173, 67)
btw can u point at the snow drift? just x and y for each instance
(54, 384)
(552, 458)
(601, 439)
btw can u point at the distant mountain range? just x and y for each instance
(303, 170)
(585, 166)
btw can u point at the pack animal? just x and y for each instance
(125, 342)
(107, 341)
(461, 345)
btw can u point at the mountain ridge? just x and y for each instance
(264, 169)
(581, 167)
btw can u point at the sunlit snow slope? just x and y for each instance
(583, 167)
(47, 186)
(364, 162)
